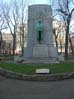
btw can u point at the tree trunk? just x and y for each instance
(22, 44)
(71, 44)
(61, 46)
(22, 39)
(56, 41)
(0, 41)
(14, 41)
(66, 41)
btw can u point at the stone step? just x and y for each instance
(41, 60)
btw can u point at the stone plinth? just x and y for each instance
(40, 51)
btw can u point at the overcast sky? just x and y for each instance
(40, 1)
(35, 1)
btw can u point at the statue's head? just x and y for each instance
(39, 26)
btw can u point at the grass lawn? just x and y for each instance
(30, 68)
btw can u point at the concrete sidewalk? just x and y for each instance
(16, 89)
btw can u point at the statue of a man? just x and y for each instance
(39, 29)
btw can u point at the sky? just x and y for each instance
(40, 1)
(36, 1)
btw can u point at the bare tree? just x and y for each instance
(23, 19)
(65, 13)
(56, 36)
(11, 16)
(61, 41)
(58, 31)
(15, 16)
(2, 25)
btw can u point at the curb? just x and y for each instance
(36, 77)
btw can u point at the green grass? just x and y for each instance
(30, 68)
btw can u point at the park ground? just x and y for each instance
(66, 67)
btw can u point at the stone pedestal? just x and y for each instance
(40, 51)
(41, 54)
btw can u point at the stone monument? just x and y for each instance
(40, 47)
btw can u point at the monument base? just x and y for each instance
(40, 54)
(40, 51)
(41, 61)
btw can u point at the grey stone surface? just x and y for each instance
(61, 58)
(18, 59)
(40, 51)
(40, 13)
(53, 52)
(16, 89)
(28, 52)
(45, 48)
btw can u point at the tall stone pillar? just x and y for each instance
(40, 47)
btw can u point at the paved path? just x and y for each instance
(15, 89)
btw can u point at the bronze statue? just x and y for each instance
(39, 29)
